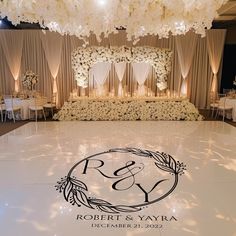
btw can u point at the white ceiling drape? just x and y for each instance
(100, 72)
(120, 71)
(141, 71)
(12, 47)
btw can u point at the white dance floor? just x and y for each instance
(118, 181)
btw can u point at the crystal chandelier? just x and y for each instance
(102, 17)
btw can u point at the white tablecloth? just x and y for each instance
(231, 102)
(24, 104)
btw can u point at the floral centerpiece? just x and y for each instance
(30, 79)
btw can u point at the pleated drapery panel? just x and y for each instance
(185, 45)
(52, 45)
(215, 47)
(174, 78)
(199, 77)
(34, 58)
(100, 72)
(141, 71)
(65, 78)
(12, 47)
(7, 82)
(120, 71)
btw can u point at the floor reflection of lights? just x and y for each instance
(35, 156)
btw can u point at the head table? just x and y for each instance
(128, 108)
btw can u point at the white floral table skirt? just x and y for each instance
(128, 109)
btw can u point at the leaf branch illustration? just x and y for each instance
(74, 190)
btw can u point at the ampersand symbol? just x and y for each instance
(129, 175)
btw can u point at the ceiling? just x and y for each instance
(227, 12)
(227, 15)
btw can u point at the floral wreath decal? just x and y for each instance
(74, 190)
(84, 58)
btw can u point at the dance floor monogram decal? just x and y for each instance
(111, 181)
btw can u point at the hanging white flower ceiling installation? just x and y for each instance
(138, 17)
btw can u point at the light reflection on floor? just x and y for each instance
(35, 156)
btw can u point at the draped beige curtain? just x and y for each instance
(215, 47)
(120, 71)
(33, 58)
(7, 82)
(12, 48)
(185, 45)
(174, 78)
(199, 77)
(49, 56)
(65, 79)
(52, 45)
(74, 42)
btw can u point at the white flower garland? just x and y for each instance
(84, 58)
(128, 109)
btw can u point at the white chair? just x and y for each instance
(11, 107)
(214, 103)
(50, 105)
(223, 107)
(37, 108)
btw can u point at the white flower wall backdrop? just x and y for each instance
(138, 17)
(84, 58)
